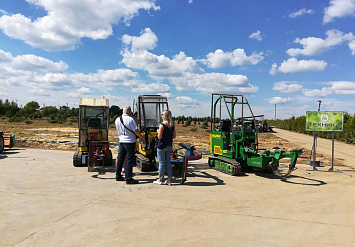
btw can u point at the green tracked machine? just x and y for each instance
(234, 140)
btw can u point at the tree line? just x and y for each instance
(32, 110)
(299, 125)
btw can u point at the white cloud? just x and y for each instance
(35, 63)
(67, 22)
(256, 35)
(273, 69)
(5, 56)
(343, 87)
(168, 95)
(84, 90)
(186, 99)
(287, 87)
(146, 41)
(314, 46)
(151, 88)
(185, 73)
(300, 13)
(238, 57)
(324, 92)
(214, 83)
(292, 65)
(352, 46)
(190, 1)
(39, 92)
(42, 77)
(337, 9)
(160, 66)
(187, 102)
(279, 100)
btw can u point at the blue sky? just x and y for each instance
(289, 53)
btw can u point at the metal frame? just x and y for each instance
(139, 107)
(243, 102)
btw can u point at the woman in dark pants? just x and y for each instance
(166, 134)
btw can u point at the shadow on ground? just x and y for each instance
(8, 152)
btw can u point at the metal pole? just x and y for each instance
(331, 169)
(314, 142)
(314, 150)
(275, 111)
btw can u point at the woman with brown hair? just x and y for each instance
(166, 134)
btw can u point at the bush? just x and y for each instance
(17, 119)
(203, 127)
(205, 123)
(193, 129)
(188, 122)
(28, 122)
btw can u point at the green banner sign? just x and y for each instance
(324, 120)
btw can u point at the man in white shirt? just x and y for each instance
(128, 132)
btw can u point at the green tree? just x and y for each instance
(8, 108)
(49, 110)
(29, 108)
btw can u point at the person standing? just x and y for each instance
(166, 134)
(127, 130)
(118, 149)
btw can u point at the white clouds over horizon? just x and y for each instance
(184, 72)
(42, 76)
(337, 87)
(66, 24)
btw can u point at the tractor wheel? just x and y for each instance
(77, 159)
(1, 144)
(108, 162)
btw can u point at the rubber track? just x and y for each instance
(236, 165)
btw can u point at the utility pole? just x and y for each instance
(275, 111)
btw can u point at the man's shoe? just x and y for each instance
(132, 181)
(119, 178)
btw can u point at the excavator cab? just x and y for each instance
(149, 112)
(93, 126)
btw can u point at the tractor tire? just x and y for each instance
(77, 159)
(108, 162)
(1, 144)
